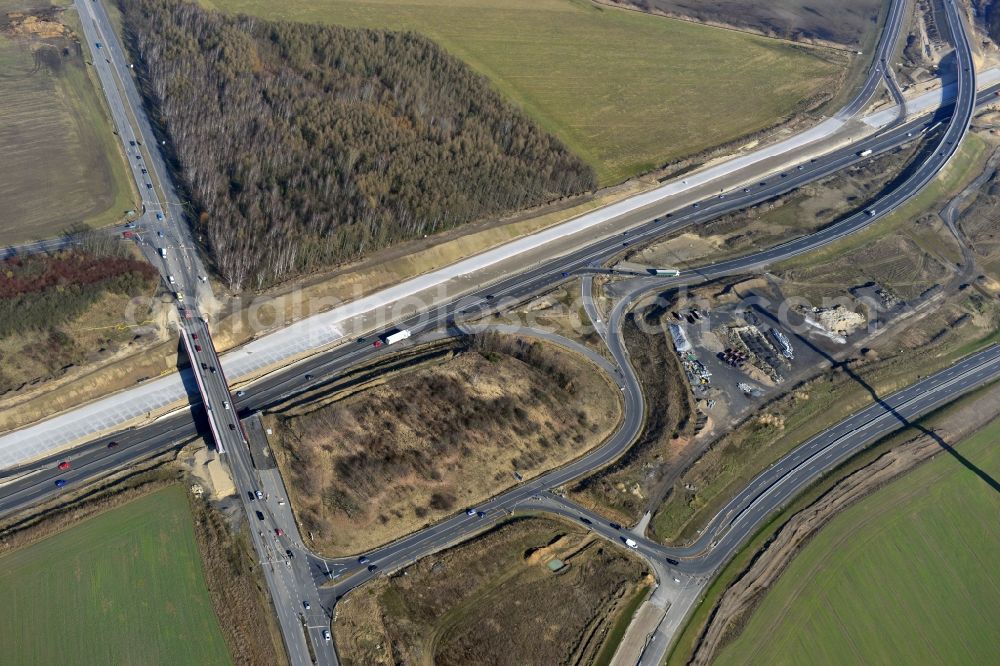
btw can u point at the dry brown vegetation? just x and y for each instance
(906, 263)
(374, 466)
(238, 594)
(92, 338)
(624, 489)
(912, 260)
(337, 141)
(494, 601)
(981, 224)
(806, 209)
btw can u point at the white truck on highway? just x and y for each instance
(163, 252)
(865, 153)
(397, 336)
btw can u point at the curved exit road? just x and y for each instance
(772, 489)
(766, 493)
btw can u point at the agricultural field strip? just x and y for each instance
(448, 531)
(574, 65)
(137, 566)
(920, 537)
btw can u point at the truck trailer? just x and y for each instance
(396, 336)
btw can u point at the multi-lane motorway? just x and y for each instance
(169, 246)
(77, 425)
(292, 584)
(161, 224)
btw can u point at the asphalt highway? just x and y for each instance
(880, 69)
(162, 224)
(96, 457)
(663, 221)
(767, 493)
(729, 528)
(172, 250)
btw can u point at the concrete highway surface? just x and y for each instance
(33, 442)
(324, 329)
(293, 575)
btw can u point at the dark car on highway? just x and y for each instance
(112, 445)
(60, 483)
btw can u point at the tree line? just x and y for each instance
(304, 146)
(41, 291)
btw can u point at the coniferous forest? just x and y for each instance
(304, 146)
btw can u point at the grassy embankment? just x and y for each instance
(906, 575)
(381, 460)
(61, 163)
(622, 490)
(123, 587)
(801, 211)
(494, 600)
(752, 447)
(692, 629)
(625, 91)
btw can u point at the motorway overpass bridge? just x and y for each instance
(211, 381)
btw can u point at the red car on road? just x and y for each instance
(279, 532)
(64, 465)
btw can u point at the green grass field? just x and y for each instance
(907, 576)
(624, 90)
(124, 587)
(60, 163)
